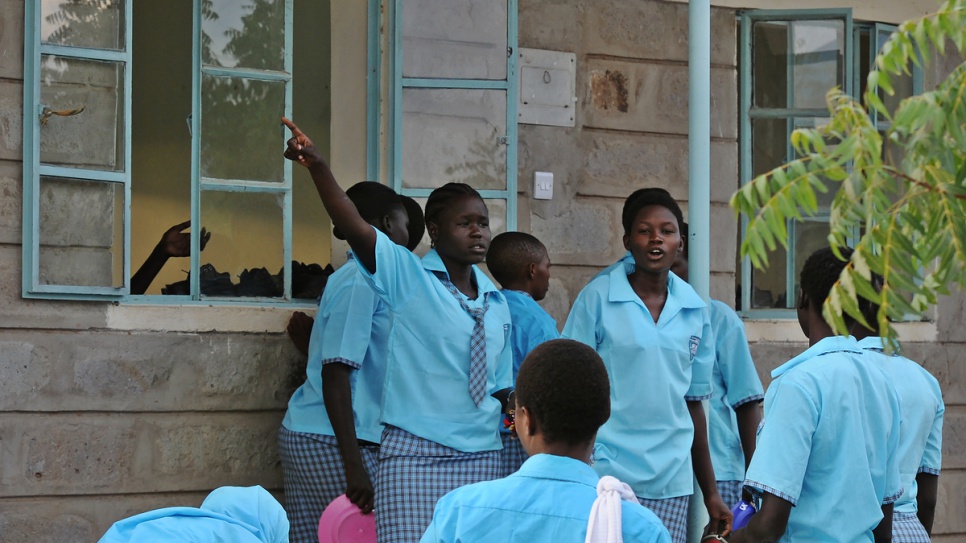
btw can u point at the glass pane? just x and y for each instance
(240, 129)
(460, 39)
(244, 34)
(770, 64)
(769, 144)
(768, 286)
(809, 237)
(454, 135)
(244, 255)
(98, 24)
(819, 61)
(81, 233)
(91, 138)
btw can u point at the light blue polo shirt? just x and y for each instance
(532, 325)
(655, 369)
(352, 328)
(829, 443)
(921, 431)
(547, 501)
(736, 383)
(427, 380)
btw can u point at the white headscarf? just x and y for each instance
(604, 524)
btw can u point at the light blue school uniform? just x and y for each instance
(736, 383)
(532, 325)
(829, 443)
(352, 328)
(655, 369)
(548, 500)
(921, 431)
(427, 379)
(236, 514)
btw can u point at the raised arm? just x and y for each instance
(344, 215)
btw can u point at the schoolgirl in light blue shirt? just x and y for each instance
(654, 334)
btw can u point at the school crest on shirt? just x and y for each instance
(693, 347)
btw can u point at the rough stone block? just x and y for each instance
(587, 233)
(21, 313)
(568, 281)
(951, 504)
(768, 356)
(947, 363)
(53, 371)
(11, 39)
(127, 453)
(562, 35)
(723, 288)
(654, 30)
(724, 239)
(11, 119)
(558, 300)
(648, 97)
(954, 437)
(617, 164)
(11, 202)
(951, 318)
(724, 170)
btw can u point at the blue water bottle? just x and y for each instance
(743, 511)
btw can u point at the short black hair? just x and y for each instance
(417, 225)
(685, 239)
(564, 384)
(651, 196)
(373, 200)
(820, 272)
(441, 198)
(511, 253)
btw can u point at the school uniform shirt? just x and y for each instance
(736, 383)
(654, 369)
(531, 326)
(829, 443)
(548, 500)
(351, 328)
(921, 430)
(427, 379)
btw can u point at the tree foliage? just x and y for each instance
(904, 191)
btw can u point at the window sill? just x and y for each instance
(203, 317)
(789, 331)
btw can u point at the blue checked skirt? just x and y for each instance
(673, 512)
(730, 492)
(512, 456)
(413, 474)
(313, 477)
(906, 528)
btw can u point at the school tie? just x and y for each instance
(477, 340)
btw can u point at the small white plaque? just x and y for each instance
(547, 87)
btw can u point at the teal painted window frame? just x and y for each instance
(851, 85)
(398, 83)
(33, 49)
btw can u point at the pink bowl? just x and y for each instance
(343, 522)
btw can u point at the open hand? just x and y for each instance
(177, 242)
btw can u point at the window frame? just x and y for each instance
(33, 169)
(748, 113)
(397, 83)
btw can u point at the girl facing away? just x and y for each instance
(449, 367)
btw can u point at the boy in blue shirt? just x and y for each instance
(520, 263)
(826, 466)
(736, 406)
(562, 398)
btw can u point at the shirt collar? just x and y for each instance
(433, 263)
(825, 346)
(679, 289)
(520, 292)
(561, 468)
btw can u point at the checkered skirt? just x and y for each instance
(512, 456)
(313, 477)
(906, 528)
(730, 492)
(414, 473)
(673, 512)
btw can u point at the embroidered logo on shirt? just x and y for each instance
(695, 341)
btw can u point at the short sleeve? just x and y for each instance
(784, 443)
(932, 456)
(584, 319)
(398, 272)
(343, 326)
(701, 388)
(734, 357)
